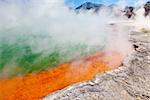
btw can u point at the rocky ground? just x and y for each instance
(129, 82)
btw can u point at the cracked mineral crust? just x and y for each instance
(129, 82)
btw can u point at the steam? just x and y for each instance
(141, 21)
(48, 26)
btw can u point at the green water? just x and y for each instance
(23, 54)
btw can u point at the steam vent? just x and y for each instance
(129, 82)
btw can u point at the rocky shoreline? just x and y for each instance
(129, 82)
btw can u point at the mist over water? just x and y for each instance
(36, 35)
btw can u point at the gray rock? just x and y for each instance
(129, 82)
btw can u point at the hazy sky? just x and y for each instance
(75, 3)
(106, 2)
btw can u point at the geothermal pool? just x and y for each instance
(38, 85)
(42, 51)
(33, 65)
(30, 72)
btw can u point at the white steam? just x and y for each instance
(52, 18)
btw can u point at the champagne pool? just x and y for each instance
(36, 86)
(45, 47)
(30, 72)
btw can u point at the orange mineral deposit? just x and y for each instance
(36, 86)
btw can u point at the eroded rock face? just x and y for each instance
(129, 82)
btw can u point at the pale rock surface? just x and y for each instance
(129, 82)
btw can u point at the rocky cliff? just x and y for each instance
(129, 82)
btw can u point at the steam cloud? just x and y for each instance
(46, 24)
